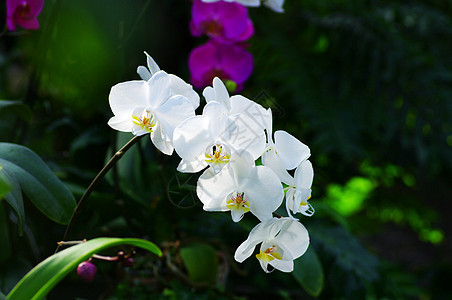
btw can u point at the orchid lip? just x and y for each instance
(217, 155)
(143, 120)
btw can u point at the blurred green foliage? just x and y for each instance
(365, 84)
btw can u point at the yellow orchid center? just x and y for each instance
(217, 156)
(238, 201)
(271, 253)
(144, 121)
(304, 203)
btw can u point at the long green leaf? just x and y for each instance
(41, 279)
(14, 199)
(38, 182)
(309, 273)
(5, 185)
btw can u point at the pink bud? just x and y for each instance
(86, 270)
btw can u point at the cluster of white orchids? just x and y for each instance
(225, 141)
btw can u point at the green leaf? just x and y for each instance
(17, 108)
(346, 250)
(42, 278)
(309, 273)
(14, 199)
(201, 262)
(28, 171)
(5, 185)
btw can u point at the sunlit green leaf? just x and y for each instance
(309, 273)
(37, 181)
(5, 185)
(41, 279)
(349, 199)
(201, 262)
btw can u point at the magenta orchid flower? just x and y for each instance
(23, 13)
(228, 62)
(226, 22)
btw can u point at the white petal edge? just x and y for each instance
(290, 150)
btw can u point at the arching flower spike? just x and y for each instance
(282, 241)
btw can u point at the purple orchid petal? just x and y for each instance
(23, 13)
(223, 21)
(226, 61)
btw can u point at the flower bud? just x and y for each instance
(86, 270)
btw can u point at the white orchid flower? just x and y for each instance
(275, 5)
(283, 240)
(299, 191)
(213, 137)
(258, 117)
(143, 107)
(285, 153)
(241, 187)
(177, 85)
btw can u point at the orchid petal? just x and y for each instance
(273, 161)
(293, 237)
(218, 93)
(264, 191)
(269, 127)
(144, 73)
(193, 166)
(212, 189)
(217, 113)
(173, 112)
(240, 104)
(192, 137)
(180, 87)
(242, 165)
(291, 151)
(282, 265)
(304, 175)
(152, 65)
(258, 234)
(237, 215)
(121, 123)
(161, 142)
(126, 96)
(243, 133)
(275, 5)
(159, 87)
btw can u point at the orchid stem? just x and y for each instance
(96, 180)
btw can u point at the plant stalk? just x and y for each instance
(95, 181)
